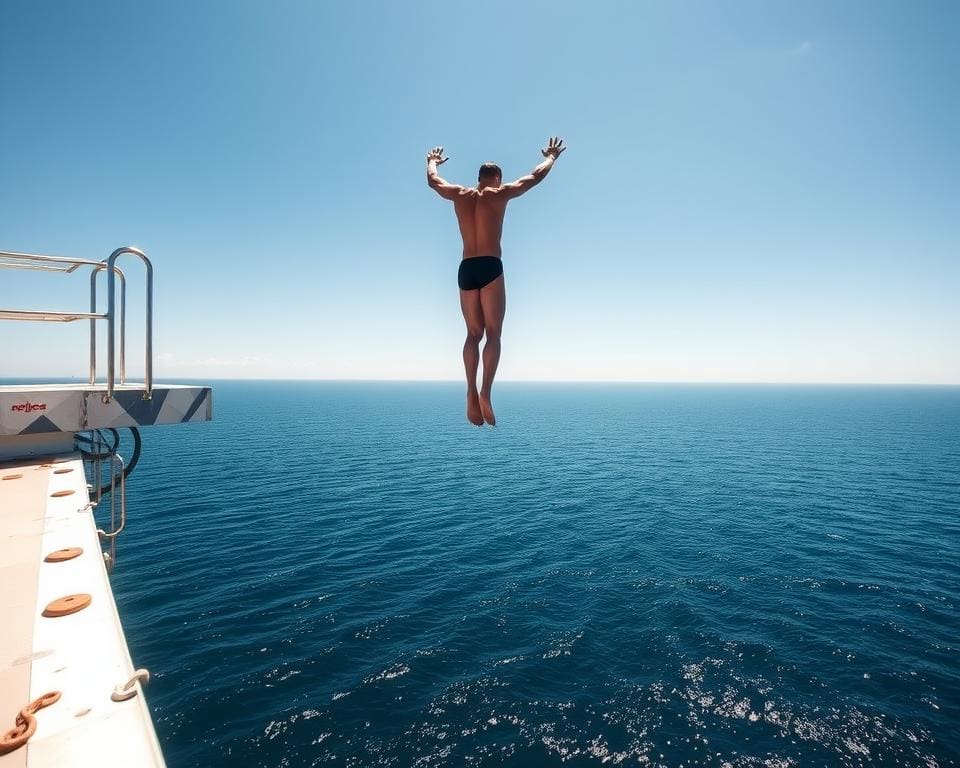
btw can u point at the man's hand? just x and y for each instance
(554, 149)
(436, 154)
(445, 189)
(550, 153)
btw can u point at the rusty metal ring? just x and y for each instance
(17, 736)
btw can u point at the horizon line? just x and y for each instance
(173, 379)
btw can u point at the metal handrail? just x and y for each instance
(111, 301)
(93, 327)
(14, 256)
(16, 260)
(49, 315)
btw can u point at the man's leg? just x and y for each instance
(473, 315)
(493, 302)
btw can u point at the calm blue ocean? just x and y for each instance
(349, 574)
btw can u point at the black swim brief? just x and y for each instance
(478, 271)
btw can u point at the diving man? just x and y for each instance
(480, 212)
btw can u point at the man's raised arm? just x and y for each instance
(444, 188)
(550, 153)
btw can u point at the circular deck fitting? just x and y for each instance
(62, 555)
(13, 477)
(62, 471)
(59, 494)
(66, 605)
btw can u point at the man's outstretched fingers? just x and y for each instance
(554, 148)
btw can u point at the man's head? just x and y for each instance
(489, 175)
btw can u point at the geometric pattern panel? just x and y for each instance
(75, 408)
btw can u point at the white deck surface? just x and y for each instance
(84, 655)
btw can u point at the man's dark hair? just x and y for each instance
(488, 171)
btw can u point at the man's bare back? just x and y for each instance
(480, 215)
(480, 211)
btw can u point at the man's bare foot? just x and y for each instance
(474, 414)
(487, 410)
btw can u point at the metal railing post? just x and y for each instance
(93, 323)
(93, 326)
(111, 330)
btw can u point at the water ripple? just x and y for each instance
(345, 574)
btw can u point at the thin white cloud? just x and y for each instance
(231, 362)
(245, 361)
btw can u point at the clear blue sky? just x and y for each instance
(754, 191)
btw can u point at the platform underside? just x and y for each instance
(28, 409)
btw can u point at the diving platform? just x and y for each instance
(38, 408)
(70, 693)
